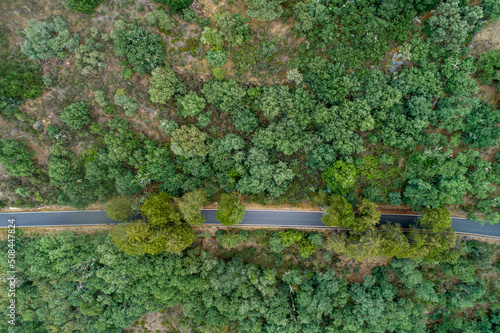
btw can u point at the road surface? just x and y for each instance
(270, 218)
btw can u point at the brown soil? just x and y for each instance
(487, 38)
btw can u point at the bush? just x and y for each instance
(88, 58)
(395, 198)
(162, 85)
(84, 6)
(219, 73)
(141, 49)
(20, 79)
(340, 176)
(175, 6)
(164, 21)
(48, 40)
(120, 209)
(169, 126)
(230, 210)
(264, 10)
(100, 98)
(216, 58)
(16, 158)
(374, 193)
(76, 116)
(128, 103)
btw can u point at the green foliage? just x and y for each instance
(395, 198)
(129, 104)
(21, 79)
(290, 236)
(191, 204)
(306, 249)
(16, 158)
(162, 85)
(160, 211)
(219, 73)
(100, 98)
(229, 239)
(339, 213)
(374, 193)
(189, 141)
(230, 210)
(451, 24)
(164, 21)
(76, 116)
(211, 36)
(233, 28)
(488, 66)
(245, 121)
(227, 95)
(141, 49)
(119, 209)
(88, 59)
(84, 6)
(437, 219)
(491, 9)
(191, 104)
(367, 216)
(276, 100)
(340, 176)
(175, 6)
(169, 126)
(264, 10)
(48, 40)
(216, 58)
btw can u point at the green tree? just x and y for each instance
(191, 205)
(162, 85)
(437, 219)
(227, 95)
(452, 23)
(367, 216)
(120, 209)
(141, 49)
(216, 58)
(211, 36)
(230, 210)
(233, 28)
(84, 6)
(340, 176)
(88, 58)
(189, 141)
(160, 211)
(191, 104)
(175, 6)
(16, 158)
(126, 102)
(76, 116)
(339, 213)
(20, 79)
(164, 21)
(48, 40)
(264, 10)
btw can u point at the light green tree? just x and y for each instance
(230, 210)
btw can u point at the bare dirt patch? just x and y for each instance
(487, 38)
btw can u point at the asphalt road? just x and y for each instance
(270, 218)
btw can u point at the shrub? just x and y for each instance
(230, 210)
(340, 176)
(84, 6)
(100, 98)
(88, 58)
(76, 115)
(162, 85)
(264, 10)
(191, 104)
(175, 6)
(374, 193)
(164, 21)
(120, 209)
(216, 58)
(169, 126)
(128, 103)
(48, 40)
(142, 49)
(219, 73)
(16, 158)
